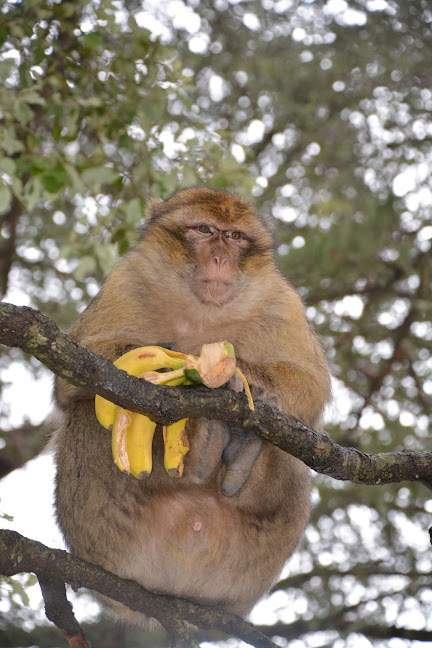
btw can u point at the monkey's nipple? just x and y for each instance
(197, 525)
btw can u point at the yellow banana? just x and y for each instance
(176, 446)
(105, 411)
(149, 358)
(173, 354)
(139, 445)
(136, 362)
(215, 365)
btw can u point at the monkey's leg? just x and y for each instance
(239, 456)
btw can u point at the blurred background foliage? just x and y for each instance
(320, 114)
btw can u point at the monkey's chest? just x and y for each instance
(189, 337)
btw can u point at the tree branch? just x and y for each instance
(22, 444)
(59, 611)
(53, 567)
(35, 333)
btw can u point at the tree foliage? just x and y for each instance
(319, 111)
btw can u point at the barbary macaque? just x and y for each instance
(203, 271)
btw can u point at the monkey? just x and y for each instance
(202, 271)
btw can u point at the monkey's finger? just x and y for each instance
(236, 439)
(218, 435)
(240, 468)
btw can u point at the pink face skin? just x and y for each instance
(217, 253)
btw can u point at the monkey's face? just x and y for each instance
(218, 252)
(213, 240)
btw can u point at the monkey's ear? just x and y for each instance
(153, 203)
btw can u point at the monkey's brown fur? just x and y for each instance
(202, 272)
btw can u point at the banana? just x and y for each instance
(139, 442)
(105, 411)
(136, 362)
(176, 446)
(215, 365)
(149, 358)
(132, 433)
(132, 439)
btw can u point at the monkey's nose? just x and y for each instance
(219, 261)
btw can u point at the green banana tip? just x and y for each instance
(193, 375)
(229, 349)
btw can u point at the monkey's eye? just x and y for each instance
(204, 229)
(235, 235)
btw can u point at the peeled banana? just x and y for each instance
(132, 433)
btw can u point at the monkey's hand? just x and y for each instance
(241, 450)
(228, 448)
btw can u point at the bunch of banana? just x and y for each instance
(132, 433)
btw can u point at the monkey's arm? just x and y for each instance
(300, 391)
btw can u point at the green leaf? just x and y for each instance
(10, 144)
(86, 267)
(31, 580)
(23, 113)
(99, 175)
(3, 35)
(32, 192)
(74, 177)
(7, 165)
(92, 40)
(19, 591)
(6, 68)
(32, 97)
(123, 140)
(53, 181)
(134, 211)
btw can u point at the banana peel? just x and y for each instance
(132, 433)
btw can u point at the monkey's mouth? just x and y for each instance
(214, 291)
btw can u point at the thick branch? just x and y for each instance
(36, 334)
(19, 554)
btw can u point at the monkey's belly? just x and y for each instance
(180, 537)
(201, 548)
(188, 545)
